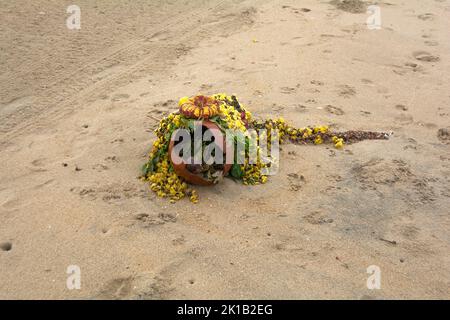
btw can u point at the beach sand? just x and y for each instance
(77, 110)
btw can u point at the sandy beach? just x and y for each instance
(77, 114)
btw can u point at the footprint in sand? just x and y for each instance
(409, 232)
(290, 246)
(120, 97)
(287, 90)
(115, 191)
(100, 167)
(426, 16)
(137, 287)
(295, 10)
(179, 241)
(258, 93)
(6, 246)
(119, 288)
(431, 43)
(146, 220)
(317, 218)
(165, 104)
(334, 110)
(296, 181)
(317, 82)
(414, 66)
(205, 87)
(401, 107)
(425, 56)
(410, 147)
(444, 135)
(112, 159)
(277, 108)
(160, 108)
(300, 108)
(404, 119)
(346, 91)
(38, 162)
(38, 165)
(351, 6)
(118, 140)
(381, 175)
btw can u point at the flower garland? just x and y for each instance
(228, 113)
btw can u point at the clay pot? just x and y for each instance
(181, 168)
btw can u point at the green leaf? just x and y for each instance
(236, 171)
(191, 124)
(147, 168)
(220, 122)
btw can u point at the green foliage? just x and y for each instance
(236, 171)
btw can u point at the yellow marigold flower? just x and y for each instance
(321, 129)
(199, 107)
(194, 197)
(308, 132)
(161, 194)
(318, 140)
(182, 101)
(221, 96)
(197, 113)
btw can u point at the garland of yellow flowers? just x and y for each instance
(228, 113)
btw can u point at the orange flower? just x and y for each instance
(199, 107)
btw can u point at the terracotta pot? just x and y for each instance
(181, 168)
